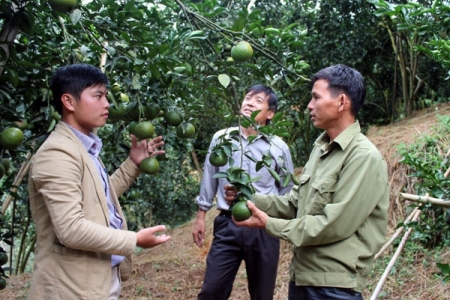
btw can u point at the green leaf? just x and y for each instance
(196, 34)
(445, 268)
(155, 71)
(255, 179)
(274, 174)
(220, 175)
(277, 117)
(239, 24)
(259, 165)
(251, 138)
(285, 123)
(247, 190)
(224, 80)
(281, 132)
(251, 158)
(245, 122)
(75, 16)
(294, 179)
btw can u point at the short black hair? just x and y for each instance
(342, 78)
(259, 88)
(74, 79)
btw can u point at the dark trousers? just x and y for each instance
(231, 245)
(321, 293)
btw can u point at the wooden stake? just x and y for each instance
(395, 235)
(394, 259)
(426, 199)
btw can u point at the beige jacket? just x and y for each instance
(69, 208)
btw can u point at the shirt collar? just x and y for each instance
(343, 139)
(235, 132)
(91, 142)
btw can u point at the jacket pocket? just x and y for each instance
(323, 190)
(304, 178)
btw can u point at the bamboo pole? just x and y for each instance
(396, 234)
(416, 212)
(393, 259)
(426, 199)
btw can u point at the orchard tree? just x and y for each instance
(416, 28)
(168, 54)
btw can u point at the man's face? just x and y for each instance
(254, 102)
(91, 110)
(324, 107)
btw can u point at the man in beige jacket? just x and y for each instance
(83, 246)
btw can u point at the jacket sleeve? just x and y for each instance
(124, 176)
(60, 186)
(359, 190)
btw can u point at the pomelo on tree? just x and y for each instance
(144, 130)
(151, 111)
(173, 118)
(124, 97)
(185, 130)
(116, 113)
(11, 138)
(62, 5)
(132, 126)
(218, 158)
(240, 211)
(6, 163)
(2, 283)
(3, 258)
(132, 111)
(242, 51)
(116, 87)
(149, 165)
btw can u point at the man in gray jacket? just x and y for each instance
(336, 218)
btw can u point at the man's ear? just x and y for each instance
(270, 114)
(67, 101)
(344, 102)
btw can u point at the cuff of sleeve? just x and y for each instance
(132, 243)
(128, 244)
(131, 168)
(275, 227)
(203, 205)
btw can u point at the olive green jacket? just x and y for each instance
(336, 218)
(69, 208)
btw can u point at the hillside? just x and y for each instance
(175, 270)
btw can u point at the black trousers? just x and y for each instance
(231, 245)
(321, 293)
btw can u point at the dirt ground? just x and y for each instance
(175, 270)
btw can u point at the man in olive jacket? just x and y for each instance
(336, 218)
(83, 245)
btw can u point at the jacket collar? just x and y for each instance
(64, 129)
(342, 140)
